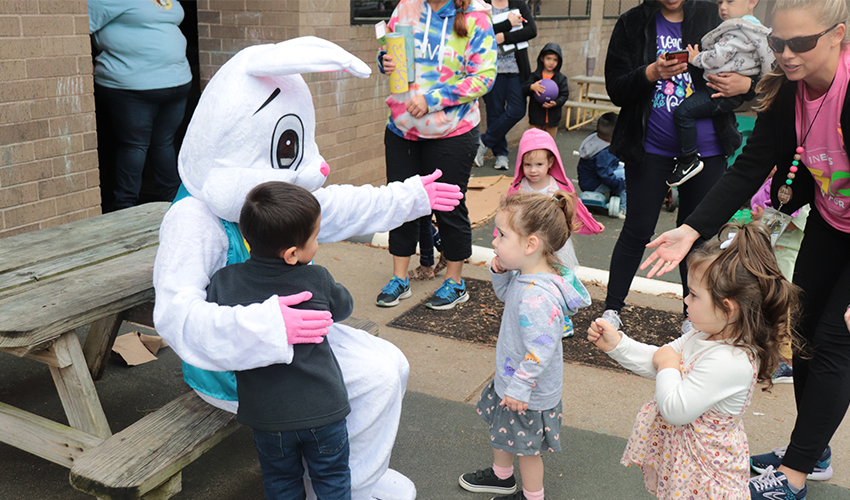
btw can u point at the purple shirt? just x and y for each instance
(661, 138)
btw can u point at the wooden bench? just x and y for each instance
(145, 460)
(594, 97)
(583, 118)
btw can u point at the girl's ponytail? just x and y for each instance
(459, 25)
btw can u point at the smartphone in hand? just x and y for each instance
(681, 56)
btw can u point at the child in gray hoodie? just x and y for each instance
(522, 405)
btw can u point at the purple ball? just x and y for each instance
(550, 91)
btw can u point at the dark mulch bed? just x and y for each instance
(478, 319)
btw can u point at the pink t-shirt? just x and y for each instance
(825, 155)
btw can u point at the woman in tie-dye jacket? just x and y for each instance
(435, 124)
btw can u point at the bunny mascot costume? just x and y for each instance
(255, 122)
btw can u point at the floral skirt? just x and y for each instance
(520, 432)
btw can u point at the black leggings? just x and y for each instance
(453, 156)
(646, 185)
(822, 382)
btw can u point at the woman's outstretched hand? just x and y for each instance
(670, 248)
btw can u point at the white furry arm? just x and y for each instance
(192, 246)
(354, 210)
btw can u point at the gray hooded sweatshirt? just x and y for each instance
(529, 352)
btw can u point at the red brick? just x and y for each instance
(16, 153)
(29, 213)
(51, 66)
(23, 132)
(62, 7)
(74, 163)
(11, 70)
(58, 186)
(47, 25)
(25, 172)
(18, 195)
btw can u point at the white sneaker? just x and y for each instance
(613, 317)
(394, 486)
(501, 163)
(479, 155)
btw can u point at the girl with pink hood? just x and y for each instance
(539, 169)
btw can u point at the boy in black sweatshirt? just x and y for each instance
(547, 116)
(297, 409)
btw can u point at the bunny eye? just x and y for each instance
(287, 143)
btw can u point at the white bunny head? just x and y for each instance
(255, 123)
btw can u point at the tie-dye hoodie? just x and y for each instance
(529, 352)
(451, 72)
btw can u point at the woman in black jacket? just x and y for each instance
(804, 97)
(648, 88)
(505, 102)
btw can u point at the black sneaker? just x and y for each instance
(519, 495)
(485, 481)
(685, 170)
(396, 289)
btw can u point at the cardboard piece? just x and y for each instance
(136, 348)
(483, 195)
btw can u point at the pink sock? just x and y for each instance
(503, 472)
(533, 495)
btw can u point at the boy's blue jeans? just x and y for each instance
(324, 449)
(620, 173)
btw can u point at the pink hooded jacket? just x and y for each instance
(537, 139)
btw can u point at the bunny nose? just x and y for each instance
(325, 169)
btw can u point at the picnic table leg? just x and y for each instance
(76, 389)
(167, 489)
(100, 341)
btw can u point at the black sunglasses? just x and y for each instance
(798, 44)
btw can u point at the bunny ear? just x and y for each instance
(306, 54)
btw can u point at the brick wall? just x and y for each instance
(350, 112)
(48, 156)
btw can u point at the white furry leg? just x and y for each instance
(394, 486)
(375, 373)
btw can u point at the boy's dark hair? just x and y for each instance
(276, 216)
(605, 126)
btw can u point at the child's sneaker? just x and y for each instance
(821, 472)
(773, 485)
(784, 374)
(396, 289)
(501, 163)
(684, 171)
(612, 317)
(479, 155)
(485, 481)
(519, 495)
(448, 295)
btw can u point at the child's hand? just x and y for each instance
(513, 404)
(537, 87)
(550, 104)
(496, 265)
(665, 357)
(603, 334)
(388, 63)
(693, 52)
(756, 212)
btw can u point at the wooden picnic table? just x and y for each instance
(52, 281)
(588, 104)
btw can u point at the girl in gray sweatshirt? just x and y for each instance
(522, 405)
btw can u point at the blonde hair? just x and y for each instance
(746, 273)
(534, 152)
(828, 13)
(548, 217)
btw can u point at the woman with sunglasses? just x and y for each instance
(804, 110)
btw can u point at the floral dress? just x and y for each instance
(705, 459)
